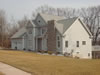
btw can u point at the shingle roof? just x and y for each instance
(19, 33)
(48, 17)
(63, 25)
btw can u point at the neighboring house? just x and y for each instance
(54, 33)
(96, 52)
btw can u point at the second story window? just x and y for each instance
(39, 21)
(30, 32)
(83, 42)
(66, 43)
(43, 30)
(77, 43)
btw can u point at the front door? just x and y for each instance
(39, 44)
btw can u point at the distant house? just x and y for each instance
(54, 33)
(96, 52)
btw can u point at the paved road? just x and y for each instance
(9, 70)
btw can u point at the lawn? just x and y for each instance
(1, 73)
(49, 65)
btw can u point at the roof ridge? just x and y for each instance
(50, 15)
(68, 18)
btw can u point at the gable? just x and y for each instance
(29, 24)
(40, 21)
(85, 27)
(63, 25)
(78, 29)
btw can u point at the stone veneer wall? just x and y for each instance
(51, 32)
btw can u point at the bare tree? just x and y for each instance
(23, 22)
(3, 23)
(91, 17)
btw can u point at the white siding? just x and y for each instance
(77, 33)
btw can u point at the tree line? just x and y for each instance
(89, 15)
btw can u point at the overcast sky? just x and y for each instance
(19, 8)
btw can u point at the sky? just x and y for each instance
(19, 8)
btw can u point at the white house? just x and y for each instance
(54, 33)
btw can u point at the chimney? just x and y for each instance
(51, 42)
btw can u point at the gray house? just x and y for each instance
(54, 33)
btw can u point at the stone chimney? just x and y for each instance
(51, 32)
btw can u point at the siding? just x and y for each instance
(77, 33)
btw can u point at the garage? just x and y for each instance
(17, 44)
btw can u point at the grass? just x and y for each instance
(50, 65)
(1, 73)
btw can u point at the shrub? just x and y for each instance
(56, 53)
(66, 54)
(29, 50)
(24, 49)
(50, 52)
(77, 57)
(45, 51)
(39, 51)
(42, 51)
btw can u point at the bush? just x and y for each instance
(56, 53)
(45, 51)
(29, 50)
(50, 52)
(39, 51)
(77, 57)
(66, 54)
(42, 51)
(24, 49)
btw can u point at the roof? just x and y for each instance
(48, 17)
(63, 25)
(31, 23)
(19, 33)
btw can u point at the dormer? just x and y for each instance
(29, 25)
(40, 21)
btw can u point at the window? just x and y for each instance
(30, 31)
(58, 40)
(77, 52)
(88, 54)
(58, 43)
(83, 42)
(77, 45)
(39, 21)
(66, 43)
(43, 30)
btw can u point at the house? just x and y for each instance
(54, 33)
(96, 52)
